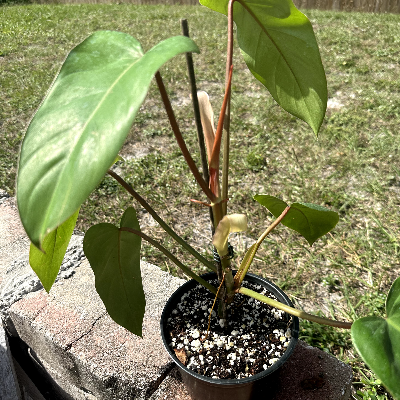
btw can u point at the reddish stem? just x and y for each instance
(218, 134)
(227, 120)
(229, 51)
(178, 136)
(214, 160)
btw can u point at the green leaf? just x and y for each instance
(46, 263)
(118, 158)
(114, 256)
(377, 340)
(393, 299)
(280, 49)
(81, 125)
(274, 205)
(310, 220)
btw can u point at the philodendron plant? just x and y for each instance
(76, 134)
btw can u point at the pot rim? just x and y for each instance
(282, 297)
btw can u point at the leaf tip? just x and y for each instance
(47, 288)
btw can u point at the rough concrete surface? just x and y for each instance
(18, 278)
(311, 374)
(172, 388)
(13, 241)
(70, 331)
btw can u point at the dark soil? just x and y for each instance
(255, 337)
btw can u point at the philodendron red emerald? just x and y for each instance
(85, 118)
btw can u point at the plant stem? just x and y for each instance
(217, 212)
(217, 208)
(178, 136)
(214, 163)
(229, 51)
(229, 281)
(244, 268)
(212, 308)
(224, 266)
(197, 118)
(225, 162)
(227, 118)
(183, 267)
(170, 232)
(294, 311)
(195, 101)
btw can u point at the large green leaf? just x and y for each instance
(114, 256)
(46, 263)
(81, 125)
(378, 342)
(279, 47)
(310, 220)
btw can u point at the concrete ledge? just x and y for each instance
(311, 374)
(13, 241)
(84, 355)
(78, 342)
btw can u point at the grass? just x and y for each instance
(353, 166)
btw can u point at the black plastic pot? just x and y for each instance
(259, 386)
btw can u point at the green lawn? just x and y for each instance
(353, 167)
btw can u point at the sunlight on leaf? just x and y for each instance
(81, 125)
(280, 49)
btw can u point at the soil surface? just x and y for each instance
(254, 338)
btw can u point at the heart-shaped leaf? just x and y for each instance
(114, 256)
(310, 220)
(46, 263)
(81, 125)
(377, 340)
(280, 49)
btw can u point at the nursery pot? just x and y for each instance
(259, 386)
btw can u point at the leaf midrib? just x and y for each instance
(244, 5)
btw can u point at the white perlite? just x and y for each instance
(256, 337)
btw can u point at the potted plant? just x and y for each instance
(76, 134)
